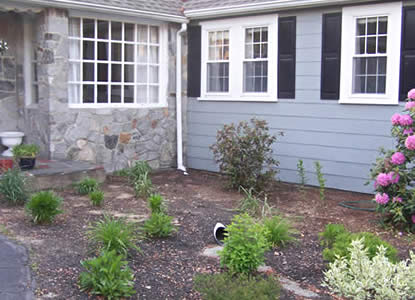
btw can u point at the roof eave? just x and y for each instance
(252, 8)
(70, 4)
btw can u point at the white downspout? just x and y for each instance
(179, 126)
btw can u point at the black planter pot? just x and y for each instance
(27, 163)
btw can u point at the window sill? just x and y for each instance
(120, 106)
(241, 99)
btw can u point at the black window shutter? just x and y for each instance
(407, 76)
(286, 57)
(330, 56)
(194, 60)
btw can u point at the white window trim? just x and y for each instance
(163, 64)
(394, 13)
(236, 29)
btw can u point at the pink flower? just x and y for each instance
(411, 94)
(410, 104)
(398, 158)
(396, 119)
(382, 198)
(413, 219)
(383, 179)
(405, 120)
(408, 131)
(410, 142)
(393, 177)
(397, 199)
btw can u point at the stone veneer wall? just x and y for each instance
(112, 137)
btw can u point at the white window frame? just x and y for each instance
(215, 61)
(350, 14)
(163, 63)
(236, 29)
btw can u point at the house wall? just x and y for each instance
(344, 138)
(111, 137)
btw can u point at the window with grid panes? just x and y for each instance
(256, 60)
(218, 62)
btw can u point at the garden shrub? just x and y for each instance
(87, 185)
(156, 204)
(342, 241)
(394, 171)
(244, 245)
(110, 234)
(244, 153)
(159, 225)
(143, 186)
(364, 277)
(96, 197)
(321, 180)
(107, 275)
(44, 206)
(225, 286)
(330, 233)
(13, 186)
(278, 231)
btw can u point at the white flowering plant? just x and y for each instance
(361, 278)
(3, 46)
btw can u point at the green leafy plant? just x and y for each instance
(250, 202)
(110, 234)
(143, 186)
(244, 153)
(13, 186)
(338, 240)
(156, 203)
(44, 206)
(159, 225)
(278, 231)
(362, 276)
(245, 245)
(87, 185)
(321, 180)
(96, 197)
(139, 169)
(107, 275)
(301, 173)
(225, 286)
(25, 150)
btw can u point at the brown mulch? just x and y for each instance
(166, 267)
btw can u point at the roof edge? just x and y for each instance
(73, 4)
(236, 10)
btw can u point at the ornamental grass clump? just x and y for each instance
(13, 187)
(159, 225)
(362, 276)
(156, 204)
(44, 206)
(244, 153)
(143, 187)
(278, 231)
(244, 245)
(107, 275)
(96, 197)
(87, 185)
(394, 172)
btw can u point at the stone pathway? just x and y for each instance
(15, 278)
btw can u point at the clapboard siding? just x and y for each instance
(344, 138)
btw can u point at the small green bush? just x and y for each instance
(96, 197)
(301, 173)
(338, 240)
(242, 287)
(13, 186)
(362, 277)
(278, 231)
(321, 180)
(143, 186)
(156, 204)
(87, 185)
(44, 206)
(110, 234)
(107, 275)
(159, 225)
(244, 245)
(139, 169)
(25, 150)
(244, 153)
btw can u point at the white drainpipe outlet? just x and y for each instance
(179, 126)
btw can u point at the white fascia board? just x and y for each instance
(99, 8)
(252, 8)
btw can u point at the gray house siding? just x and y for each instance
(344, 138)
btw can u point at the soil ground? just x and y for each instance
(166, 267)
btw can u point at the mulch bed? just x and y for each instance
(166, 267)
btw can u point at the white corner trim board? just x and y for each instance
(251, 8)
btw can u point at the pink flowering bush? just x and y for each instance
(394, 171)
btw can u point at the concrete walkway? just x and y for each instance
(15, 278)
